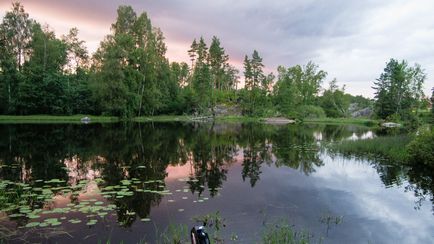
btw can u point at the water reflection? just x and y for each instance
(93, 163)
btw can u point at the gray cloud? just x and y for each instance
(352, 40)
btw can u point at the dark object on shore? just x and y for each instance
(199, 236)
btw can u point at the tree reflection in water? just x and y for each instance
(144, 151)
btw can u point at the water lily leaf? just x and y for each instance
(33, 216)
(32, 224)
(74, 221)
(55, 223)
(51, 220)
(92, 222)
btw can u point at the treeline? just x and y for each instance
(129, 75)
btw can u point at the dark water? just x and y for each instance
(129, 182)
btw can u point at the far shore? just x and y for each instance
(54, 119)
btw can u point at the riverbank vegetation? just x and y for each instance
(130, 76)
(414, 150)
(55, 118)
(390, 148)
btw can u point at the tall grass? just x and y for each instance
(284, 234)
(392, 148)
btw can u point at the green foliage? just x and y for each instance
(399, 89)
(421, 149)
(283, 233)
(255, 97)
(297, 86)
(175, 234)
(392, 148)
(334, 101)
(255, 102)
(432, 102)
(130, 76)
(310, 112)
(211, 76)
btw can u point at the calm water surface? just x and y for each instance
(129, 182)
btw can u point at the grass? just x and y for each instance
(22, 119)
(357, 121)
(392, 148)
(284, 234)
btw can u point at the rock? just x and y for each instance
(391, 125)
(85, 120)
(227, 110)
(366, 112)
(279, 121)
(353, 108)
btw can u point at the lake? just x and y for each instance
(127, 182)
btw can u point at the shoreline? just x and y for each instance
(53, 119)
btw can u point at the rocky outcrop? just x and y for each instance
(227, 110)
(356, 111)
(366, 112)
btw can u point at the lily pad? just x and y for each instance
(92, 222)
(32, 224)
(74, 221)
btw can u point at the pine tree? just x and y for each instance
(257, 72)
(248, 73)
(218, 61)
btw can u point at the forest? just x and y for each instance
(130, 76)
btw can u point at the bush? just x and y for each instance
(310, 112)
(421, 149)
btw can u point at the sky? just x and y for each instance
(351, 40)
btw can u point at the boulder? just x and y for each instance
(279, 121)
(390, 125)
(85, 120)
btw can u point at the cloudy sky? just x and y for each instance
(351, 40)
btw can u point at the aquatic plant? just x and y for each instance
(175, 234)
(392, 148)
(283, 233)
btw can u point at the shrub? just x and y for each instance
(310, 112)
(421, 149)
